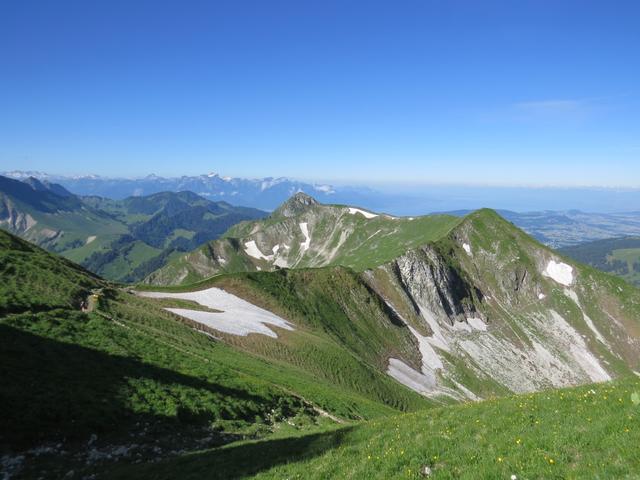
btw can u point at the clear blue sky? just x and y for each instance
(514, 92)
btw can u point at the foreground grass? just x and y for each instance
(586, 432)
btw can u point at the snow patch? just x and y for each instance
(304, 246)
(364, 213)
(238, 317)
(560, 272)
(90, 239)
(462, 326)
(252, 250)
(477, 323)
(281, 262)
(541, 296)
(407, 376)
(437, 339)
(430, 359)
(467, 248)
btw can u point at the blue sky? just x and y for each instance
(498, 93)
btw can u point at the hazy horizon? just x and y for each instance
(491, 93)
(397, 199)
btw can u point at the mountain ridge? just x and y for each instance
(303, 232)
(120, 239)
(479, 299)
(474, 309)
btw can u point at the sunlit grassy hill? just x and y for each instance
(586, 432)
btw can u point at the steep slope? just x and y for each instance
(493, 309)
(342, 331)
(619, 256)
(487, 309)
(120, 240)
(125, 380)
(304, 233)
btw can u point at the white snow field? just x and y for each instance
(560, 272)
(305, 231)
(477, 323)
(238, 317)
(421, 382)
(364, 213)
(467, 248)
(252, 250)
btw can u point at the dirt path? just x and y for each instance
(90, 303)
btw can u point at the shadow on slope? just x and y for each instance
(239, 461)
(51, 389)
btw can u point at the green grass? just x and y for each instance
(363, 251)
(586, 432)
(80, 254)
(343, 333)
(134, 255)
(33, 280)
(129, 368)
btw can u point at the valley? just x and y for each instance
(318, 346)
(121, 240)
(618, 256)
(319, 240)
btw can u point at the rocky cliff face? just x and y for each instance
(487, 309)
(13, 219)
(492, 310)
(296, 205)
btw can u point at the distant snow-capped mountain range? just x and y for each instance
(267, 192)
(554, 216)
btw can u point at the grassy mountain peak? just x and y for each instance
(306, 233)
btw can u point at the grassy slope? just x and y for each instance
(34, 280)
(343, 335)
(364, 249)
(153, 369)
(503, 256)
(586, 432)
(130, 368)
